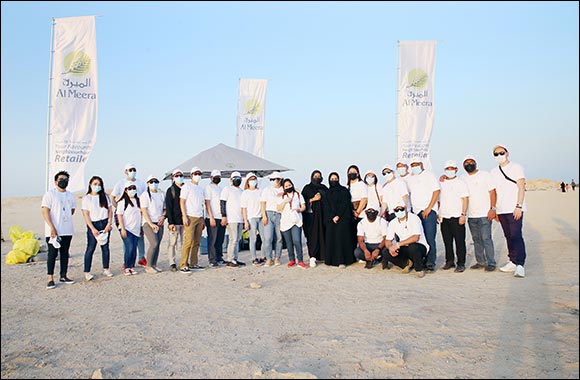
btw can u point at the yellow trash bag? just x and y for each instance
(26, 245)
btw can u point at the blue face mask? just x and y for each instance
(179, 180)
(450, 173)
(416, 169)
(95, 189)
(153, 186)
(400, 214)
(132, 175)
(253, 183)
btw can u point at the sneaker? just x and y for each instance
(133, 271)
(459, 269)
(150, 270)
(221, 262)
(276, 262)
(173, 268)
(420, 273)
(509, 267)
(268, 263)
(88, 277)
(429, 267)
(107, 273)
(262, 260)
(127, 272)
(385, 265)
(291, 263)
(407, 267)
(142, 262)
(342, 266)
(520, 271)
(66, 280)
(256, 262)
(369, 265)
(477, 266)
(313, 262)
(240, 263)
(214, 265)
(302, 265)
(157, 269)
(184, 270)
(232, 264)
(362, 262)
(50, 285)
(490, 268)
(197, 267)
(448, 265)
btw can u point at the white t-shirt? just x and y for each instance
(212, 194)
(358, 191)
(372, 232)
(194, 199)
(92, 205)
(373, 198)
(479, 185)
(507, 191)
(233, 197)
(451, 198)
(393, 193)
(154, 206)
(131, 216)
(272, 195)
(120, 187)
(421, 188)
(406, 229)
(61, 205)
(251, 202)
(290, 217)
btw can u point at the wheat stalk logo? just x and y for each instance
(417, 78)
(77, 63)
(252, 107)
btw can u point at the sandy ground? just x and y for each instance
(320, 322)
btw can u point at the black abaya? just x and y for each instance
(338, 235)
(314, 228)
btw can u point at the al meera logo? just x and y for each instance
(77, 63)
(417, 78)
(252, 107)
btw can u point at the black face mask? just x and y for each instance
(470, 168)
(237, 182)
(62, 183)
(352, 176)
(216, 180)
(289, 190)
(372, 215)
(333, 183)
(317, 181)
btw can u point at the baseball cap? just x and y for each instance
(216, 173)
(235, 174)
(195, 169)
(275, 175)
(103, 238)
(450, 164)
(499, 146)
(250, 175)
(415, 160)
(370, 172)
(469, 157)
(150, 177)
(402, 162)
(130, 166)
(176, 171)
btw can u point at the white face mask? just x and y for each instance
(95, 188)
(416, 169)
(500, 159)
(389, 176)
(196, 178)
(132, 193)
(253, 183)
(402, 171)
(153, 186)
(370, 180)
(400, 214)
(450, 173)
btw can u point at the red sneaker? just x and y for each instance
(291, 263)
(302, 265)
(142, 262)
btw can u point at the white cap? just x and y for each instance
(103, 238)
(469, 157)
(250, 175)
(387, 166)
(398, 203)
(402, 161)
(130, 166)
(450, 164)
(275, 175)
(370, 172)
(216, 173)
(235, 174)
(176, 171)
(499, 146)
(150, 177)
(415, 160)
(195, 169)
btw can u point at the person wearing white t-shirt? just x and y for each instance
(57, 207)
(424, 192)
(154, 211)
(480, 213)
(510, 185)
(453, 203)
(371, 232)
(393, 191)
(191, 201)
(359, 198)
(129, 217)
(252, 214)
(405, 241)
(97, 211)
(373, 192)
(291, 207)
(231, 209)
(213, 216)
(272, 239)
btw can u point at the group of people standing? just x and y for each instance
(393, 224)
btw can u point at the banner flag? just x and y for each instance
(251, 113)
(72, 123)
(416, 100)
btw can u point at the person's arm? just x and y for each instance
(245, 217)
(264, 214)
(361, 206)
(410, 240)
(434, 199)
(464, 205)
(47, 218)
(89, 222)
(121, 220)
(109, 225)
(363, 246)
(521, 193)
(491, 214)
(184, 217)
(145, 213)
(223, 210)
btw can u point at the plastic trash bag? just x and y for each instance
(26, 246)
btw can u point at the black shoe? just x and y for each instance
(477, 266)
(173, 268)
(222, 262)
(51, 285)
(196, 267)
(262, 260)
(385, 264)
(369, 264)
(184, 270)
(430, 268)
(448, 265)
(214, 265)
(256, 262)
(460, 268)
(66, 280)
(490, 268)
(241, 263)
(232, 264)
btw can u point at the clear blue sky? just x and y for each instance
(168, 81)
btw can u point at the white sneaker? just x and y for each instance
(509, 267)
(362, 262)
(89, 277)
(313, 262)
(107, 273)
(342, 266)
(520, 271)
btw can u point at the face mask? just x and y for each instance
(333, 183)
(470, 168)
(402, 171)
(289, 190)
(370, 180)
(196, 178)
(450, 173)
(372, 215)
(237, 182)
(62, 183)
(153, 186)
(132, 175)
(95, 188)
(416, 169)
(500, 159)
(352, 176)
(132, 193)
(400, 214)
(389, 176)
(179, 180)
(317, 181)
(253, 183)
(216, 180)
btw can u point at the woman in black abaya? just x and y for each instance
(314, 228)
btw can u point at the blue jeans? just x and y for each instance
(430, 229)
(480, 229)
(92, 245)
(215, 241)
(272, 235)
(293, 238)
(235, 232)
(130, 245)
(256, 227)
(512, 230)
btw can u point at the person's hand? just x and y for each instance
(123, 233)
(517, 213)
(53, 232)
(246, 226)
(394, 250)
(95, 232)
(425, 213)
(171, 227)
(185, 221)
(212, 222)
(491, 214)
(336, 219)
(224, 221)
(462, 220)
(442, 178)
(264, 220)
(316, 198)
(108, 227)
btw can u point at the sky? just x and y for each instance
(168, 77)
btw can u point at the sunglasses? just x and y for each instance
(179, 175)
(132, 170)
(397, 209)
(197, 173)
(273, 179)
(387, 172)
(132, 188)
(502, 153)
(154, 181)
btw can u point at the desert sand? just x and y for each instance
(318, 322)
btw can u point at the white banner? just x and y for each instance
(416, 100)
(72, 125)
(251, 112)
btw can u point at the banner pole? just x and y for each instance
(48, 116)
(397, 90)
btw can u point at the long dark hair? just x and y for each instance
(357, 174)
(127, 199)
(103, 198)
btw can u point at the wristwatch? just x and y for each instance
(493, 208)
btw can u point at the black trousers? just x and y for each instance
(452, 231)
(416, 252)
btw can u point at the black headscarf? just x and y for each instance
(312, 188)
